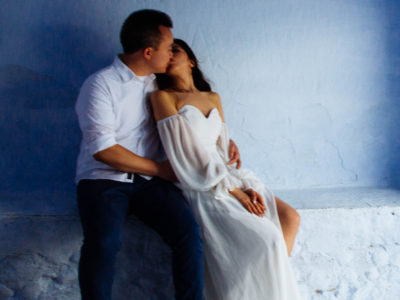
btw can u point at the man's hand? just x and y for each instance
(166, 172)
(234, 155)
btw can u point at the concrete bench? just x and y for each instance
(348, 247)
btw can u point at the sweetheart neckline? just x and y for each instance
(196, 108)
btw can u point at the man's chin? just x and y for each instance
(163, 70)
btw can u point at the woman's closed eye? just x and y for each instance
(175, 49)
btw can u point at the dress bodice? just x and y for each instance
(207, 128)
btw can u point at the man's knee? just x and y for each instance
(188, 235)
(106, 246)
(194, 230)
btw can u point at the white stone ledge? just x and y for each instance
(347, 197)
(317, 198)
(348, 254)
(348, 248)
(301, 199)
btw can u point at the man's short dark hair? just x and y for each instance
(141, 29)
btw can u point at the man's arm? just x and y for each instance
(124, 160)
(97, 122)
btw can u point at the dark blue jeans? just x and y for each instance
(104, 206)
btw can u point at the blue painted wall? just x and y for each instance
(310, 88)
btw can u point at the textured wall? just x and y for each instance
(310, 88)
(311, 95)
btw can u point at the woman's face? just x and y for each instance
(180, 62)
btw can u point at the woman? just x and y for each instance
(245, 250)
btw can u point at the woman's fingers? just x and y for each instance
(255, 206)
(238, 163)
(256, 209)
(249, 200)
(249, 205)
(257, 201)
(249, 208)
(235, 159)
(260, 200)
(259, 209)
(234, 155)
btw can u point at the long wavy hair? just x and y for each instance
(164, 81)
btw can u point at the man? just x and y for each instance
(120, 169)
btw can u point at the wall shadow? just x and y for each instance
(392, 117)
(39, 128)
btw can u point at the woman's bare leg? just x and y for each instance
(290, 222)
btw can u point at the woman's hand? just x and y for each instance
(256, 197)
(254, 205)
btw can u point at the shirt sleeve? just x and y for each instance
(96, 116)
(193, 165)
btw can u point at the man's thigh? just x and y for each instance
(161, 205)
(103, 207)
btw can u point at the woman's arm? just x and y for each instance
(163, 104)
(233, 150)
(249, 198)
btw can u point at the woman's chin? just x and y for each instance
(170, 67)
(170, 71)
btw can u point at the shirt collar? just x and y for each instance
(127, 74)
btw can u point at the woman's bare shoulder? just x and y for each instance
(163, 103)
(161, 95)
(214, 97)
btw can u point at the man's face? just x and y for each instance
(180, 62)
(161, 56)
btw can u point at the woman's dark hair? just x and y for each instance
(141, 30)
(164, 81)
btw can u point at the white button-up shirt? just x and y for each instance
(113, 108)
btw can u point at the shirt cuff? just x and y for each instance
(100, 144)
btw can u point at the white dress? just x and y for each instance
(245, 255)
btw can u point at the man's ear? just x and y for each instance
(147, 52)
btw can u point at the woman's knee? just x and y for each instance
(287, 214)
(294, 217)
